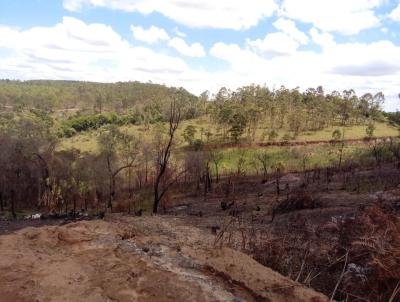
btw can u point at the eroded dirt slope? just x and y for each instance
(134, 259)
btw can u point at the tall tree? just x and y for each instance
(114, 144)
(164, 149)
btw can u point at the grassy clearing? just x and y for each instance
(87, 142)
(355, 132)
(292, 158)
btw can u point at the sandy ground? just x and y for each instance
(134, 259)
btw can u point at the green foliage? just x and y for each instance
(189, 133)
(297, 112)
(336, 135)
(238, 124)
(88, 122)
(393, 117)
(113, 143)
(97, 97)
(287, 137)
(83, 123)
(272, 136)
(370, 130)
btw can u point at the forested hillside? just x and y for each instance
(87, 96)
(81, 106)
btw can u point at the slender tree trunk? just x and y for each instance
(130, 189)
(278, 176)
(164, 156)
(12, 197)
(109, 205)
(156, 195)
(205, 187)
(1, 202)
(146, 172)
(66, 207)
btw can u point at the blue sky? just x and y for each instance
(204, 45)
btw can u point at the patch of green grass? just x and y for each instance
(292, 158)
(353, 132)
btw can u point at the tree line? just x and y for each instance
(249, 108)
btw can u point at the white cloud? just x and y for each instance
(344, 16)
(142, 6)
(232, 14)
(325, 40)
(395, 14)
(150, 35)
(241, 60)
(274, 44)
(70, 35)
(289, 27)
(193, 50)
(364, 67)
(375, 59)
(75, 50)
(179, 33)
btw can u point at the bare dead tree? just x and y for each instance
(278, 174)
(164, 155)
(263, 158)
(216, 157)
(207, 179)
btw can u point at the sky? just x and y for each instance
(207, 44)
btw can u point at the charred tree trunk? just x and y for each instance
(110, 181)
(164, 156)
(278, 177)
(66, 206)
(74, 213)
(216, 172)
(12, 200)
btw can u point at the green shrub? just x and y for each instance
(287, 137)
(197, 144)
(272, 136)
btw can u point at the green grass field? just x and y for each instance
(292, 158)
(87, 142)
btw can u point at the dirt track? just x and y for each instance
(134, 259)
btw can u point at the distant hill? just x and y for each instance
(91, 96)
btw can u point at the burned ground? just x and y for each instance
(339, 236)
